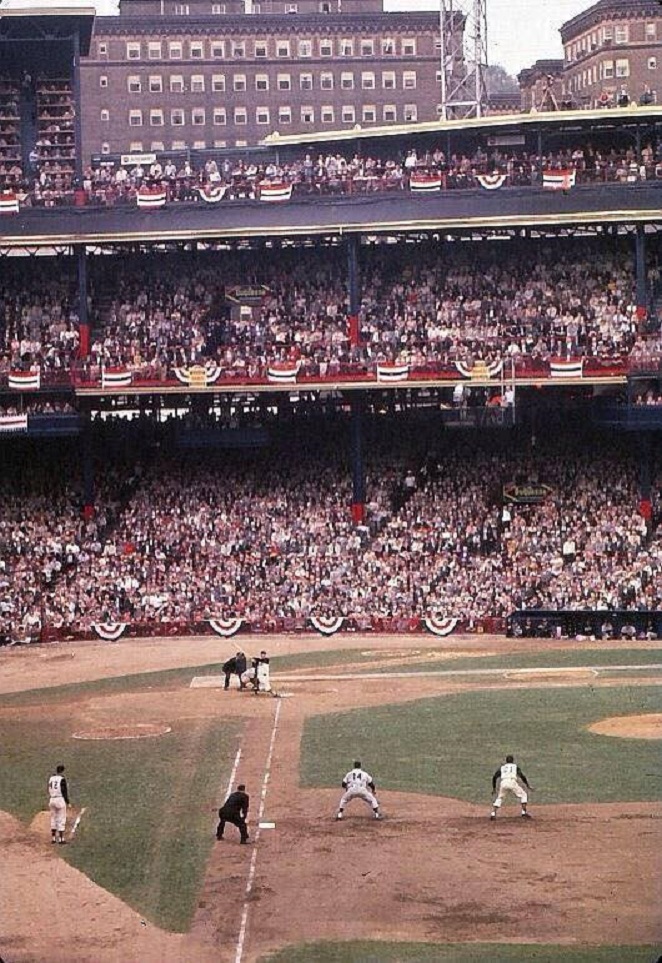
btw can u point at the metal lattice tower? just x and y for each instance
(463, 32)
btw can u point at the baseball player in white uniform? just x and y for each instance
(58, 800)
(511, 779)
(359, 784)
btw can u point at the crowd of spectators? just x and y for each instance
(270, 535)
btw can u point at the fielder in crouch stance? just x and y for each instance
(359, 785)
(234, 810)
(510, 777)
(58, 800)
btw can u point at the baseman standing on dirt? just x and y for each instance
(510, 777)
(58, 800)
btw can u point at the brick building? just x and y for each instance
(613, 48)
(166, 75)
(541, 85)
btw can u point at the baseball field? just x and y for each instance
(152, 744)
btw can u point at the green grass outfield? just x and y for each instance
(562, 658)
(148, 829)
(362, 951)
(450, 745)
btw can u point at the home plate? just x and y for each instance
(267, 825)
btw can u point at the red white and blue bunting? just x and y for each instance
(559, 180)
(327, 625)
(480, 369)
(13, 423)
(390, 373)
(226, 627)
(9, 203)
(110, 631)
(425, 183)
(24, 380)
(115, 378)
(149, 198)
(439, 626)
(213, 195)
(275, 191)
(491, 182)
(568, 368)
(283, 374)
(199, 376)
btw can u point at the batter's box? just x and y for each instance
(207, 682)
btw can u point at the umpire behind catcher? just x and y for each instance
(234, 810)
(234, 666)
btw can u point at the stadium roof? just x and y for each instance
(560, 119)
(37, 22)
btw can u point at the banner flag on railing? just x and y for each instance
(115, 378)
(9, 203)
(275, 191)
(566, 368)
(559, 180)
(491, 182)
(391, 373)
(283, 374)
(425, 183)
(149, 198)
(13, 423)
(198, 375)
(24, 380)
(226, 627)
(110, 631)
(439, 626)
(481, 370)
(327, 625)
(213, 194)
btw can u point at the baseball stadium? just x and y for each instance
(330, 490)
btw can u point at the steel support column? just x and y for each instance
(83, 314)
(353, 289)
(358, 467)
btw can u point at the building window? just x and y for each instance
(197, 84)
(346, 47)
(197, 50)
(284, 82)
(327, 115)
(179, 145)
(154, 50)
(217, 50)
(291, 8)
(133, 51)
(367, 80)
(369, 114)
(652, 63)
(198, 116)
(389, 113)
(220, 143)
(409, 80)
(217, 9)
(239, 82)
(243, 143)
(104, 115)
(135, 118)
(306, 81)
(102, 50)
(156, 84)
(367, 48)
(325, 6)
(175, 50)
(621, 33)
(182, 9)
(262, 116)
(347, 81)
(133, 84)
(176, 84)
(240, 115)
(651, 31)
(103, 81)
(388, 47)
(608, 69)
(388, 80)
(282, 48)
(409, 48)
(326, 48)
(326, 81)
(156, 117)
(262, 81)
(307, 115)
(220, 117)
(410, 113)
(157, 145)
(136, 145)
(218, 83)
(199, 144)
(261, 49)
(239, 50)
(305, 48)
(348, 114)
(284, 115)
(105, 148)
(623, 67)
(177, 117)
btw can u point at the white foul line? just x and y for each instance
(251, 872)
(233, 774)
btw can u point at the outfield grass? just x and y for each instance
(361, 951)
(451, 745)
(149, 826)
(559, 658)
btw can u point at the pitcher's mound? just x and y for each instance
(630, 727)
(137, 730)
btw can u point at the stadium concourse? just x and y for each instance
(179, 537)
(423, 305)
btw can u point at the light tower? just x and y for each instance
(463, 34)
